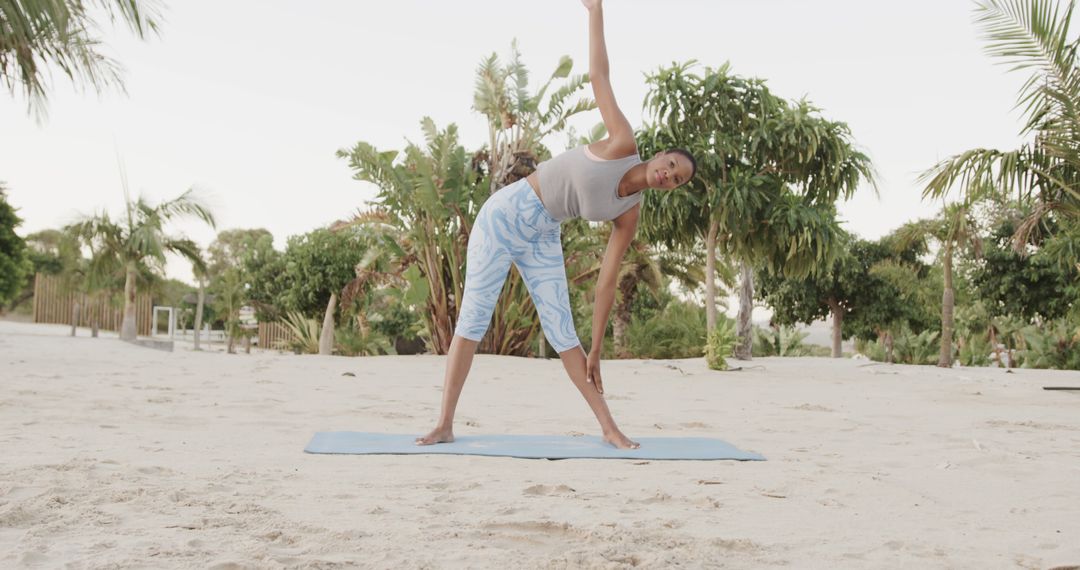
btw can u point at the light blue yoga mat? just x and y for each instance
(528, 446)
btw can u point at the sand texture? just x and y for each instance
(118, 456)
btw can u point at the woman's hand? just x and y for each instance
(592, 372)
(590, 4)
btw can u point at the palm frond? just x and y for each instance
(982, 174)
(186, 204)
(1032, 34)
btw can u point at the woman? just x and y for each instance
(519, 223)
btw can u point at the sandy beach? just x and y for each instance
(117, 456)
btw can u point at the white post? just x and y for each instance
(171, 323)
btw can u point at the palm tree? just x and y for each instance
(954, 229)
(36, 35)
(104, 276)
(229, 297)
(140, 241)
(200, 273)
(1028, 35)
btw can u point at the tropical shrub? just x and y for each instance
(873, 349)
(678, 331)
(15, 262)
(1054, 344)
(350, 340)
(908, 347)
(304, 338)
(430, 195)
(921, 348)
(974, 350)
(721, 343)
(399, 324)
(783, 341)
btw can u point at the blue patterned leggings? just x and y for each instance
(513, 226)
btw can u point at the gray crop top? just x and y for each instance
(573, 185)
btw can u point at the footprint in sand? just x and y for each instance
(548, 490)
(1031, 425)
(738, 544)
(33, 559)
(658, 497)
(534, 528)
(811, 408)
(708, 502)
(153, 470)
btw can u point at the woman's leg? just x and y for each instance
(486, 267)
(544, 272)
(574, 362)
(458, 362)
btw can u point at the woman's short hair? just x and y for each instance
(690, 157)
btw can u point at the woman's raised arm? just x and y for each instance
(620, 141)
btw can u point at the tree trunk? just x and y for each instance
(710, 277)
(947, 299)
(127, 329)
(745, 344)
(627, 291)
(199, 311)
(74, 316)
(95, 312)
(326, 339)
(837, 322)
(618, 330)
(888, 347)
(247, 344)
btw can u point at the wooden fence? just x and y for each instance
(52, 304)
(274, 336)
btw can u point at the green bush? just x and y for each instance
(785, 341)
(676, 332)
(395, 320)
(874, 350)
(720, 344)
(908, 347)
(911, 348)
(351, 341)
(1054, 344)
(975, 351)
(305, 333)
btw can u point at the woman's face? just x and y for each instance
(667, 171)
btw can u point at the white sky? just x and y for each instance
(248, 100)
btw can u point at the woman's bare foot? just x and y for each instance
(437, 435)
(621, 441)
